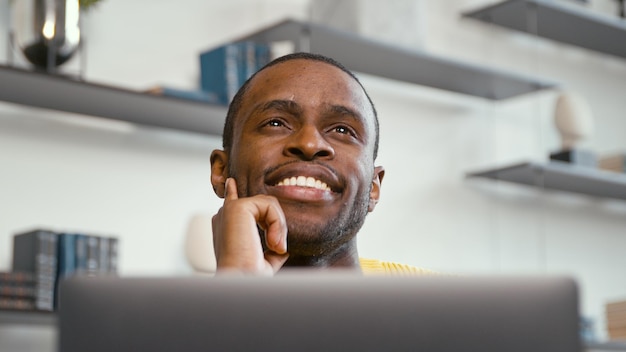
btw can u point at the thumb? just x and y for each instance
(230, 189)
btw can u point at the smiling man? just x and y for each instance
(297, 172)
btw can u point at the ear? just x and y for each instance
(219, 171)
(379, 173)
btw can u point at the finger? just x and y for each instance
(272, 220)
(275, 260)
(230, 189)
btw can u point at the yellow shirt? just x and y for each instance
(374, 266)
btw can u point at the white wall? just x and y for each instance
(143, 184)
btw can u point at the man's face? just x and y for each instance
(305, 134)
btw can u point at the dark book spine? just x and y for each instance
(66, 253)
(81, 254)
(36, 252)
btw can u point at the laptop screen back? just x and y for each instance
(313, 312)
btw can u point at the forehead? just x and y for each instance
(308, 83)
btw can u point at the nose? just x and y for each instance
(308, 144)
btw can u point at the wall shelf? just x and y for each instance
(378, 58)
(60, 93)
(562, 177)
(64, 94)
(571, 24)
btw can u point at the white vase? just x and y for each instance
(199, 244)
(573, 119)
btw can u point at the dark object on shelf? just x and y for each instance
(560, 22)
(36, 252)
(561, 176)
(38, 54)
(580, 157)
(386, 60)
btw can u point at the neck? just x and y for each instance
(346, 257)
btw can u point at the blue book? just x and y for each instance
(225, 69)
(66, 255)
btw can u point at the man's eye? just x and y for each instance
(343, 130)
(275, 123)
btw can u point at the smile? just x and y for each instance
(303, 181)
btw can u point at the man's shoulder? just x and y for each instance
(375, 266)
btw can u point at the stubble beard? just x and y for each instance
(325, 238)
(330, 236)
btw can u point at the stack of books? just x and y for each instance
(616, 320)
(17, 291)
(41, 258)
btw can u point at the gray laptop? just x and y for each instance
(302, 311)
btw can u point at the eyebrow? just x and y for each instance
(344, 110)
(280, 105)
(294, 108)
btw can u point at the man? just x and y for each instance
(297, 171)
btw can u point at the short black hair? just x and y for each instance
(235, 105)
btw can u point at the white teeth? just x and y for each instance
(303, 181)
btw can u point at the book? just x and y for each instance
(36, 252)
(15, 290)
(12, 303)
(223, 70)
(17, 284)
(113, 255)
(93, 253)
(8, 277)
(194, 95)
(42, 258)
